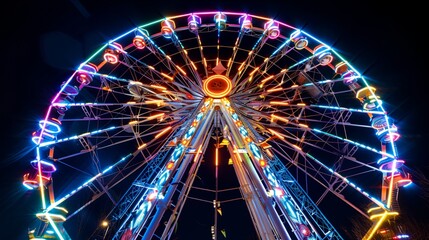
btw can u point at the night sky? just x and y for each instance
(44, 40)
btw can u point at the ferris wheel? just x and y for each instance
(296, 125)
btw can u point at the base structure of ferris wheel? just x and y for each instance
(287, 111)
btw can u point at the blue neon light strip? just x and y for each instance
(79, 136)
(355, 143)
(54, 226)
(56, 203)
(152, 42)
(376, 201)
(280, 47)
(348, 109)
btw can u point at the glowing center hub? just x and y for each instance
(217, 86)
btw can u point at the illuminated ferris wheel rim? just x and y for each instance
(218, 86)
(294, 34)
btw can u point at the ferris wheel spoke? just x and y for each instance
(165, 59)
(237, 42)
(330, 182)
(196, 78)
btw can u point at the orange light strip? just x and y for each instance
(142, 146)
(266, 79)
(181, 70)
(217, 157)
(276, 133)
(155, 116)
(383, 214)
(275, 89)
(162, 132)
(159, 87)
(130, 123)
(193, 65)
(254, 70)
(279, 118)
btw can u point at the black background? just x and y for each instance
(43, 41)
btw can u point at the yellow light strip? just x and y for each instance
(383, 214)
(62, 209)
(142, 146)
(390, 189)
(279, 103)
(133, 122)
(229, 62)
(157, 102)
(373, 209)
(375, 228)
(365, 92)
(198, 153)
(295, 146)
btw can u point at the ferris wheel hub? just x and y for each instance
(217, 86)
